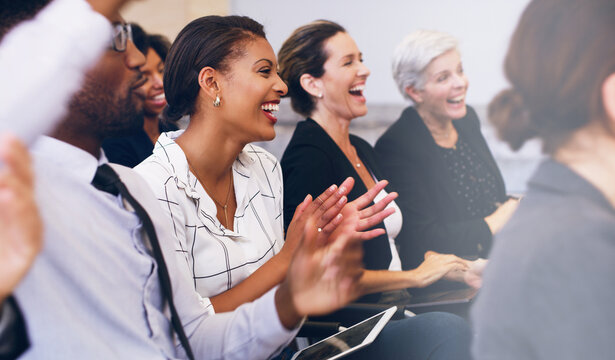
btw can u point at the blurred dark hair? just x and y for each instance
(303, 53)
(208, 41)
(144, 41)
(559, 56)
(12, 12)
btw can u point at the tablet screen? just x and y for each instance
(340, 342)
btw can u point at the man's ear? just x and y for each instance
(608, 99)
(414, 94)
(208, 81)
(311, 85)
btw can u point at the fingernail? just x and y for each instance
(332, 188)
(306, 197)
(342, 189)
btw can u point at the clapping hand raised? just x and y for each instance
(327, 262)
(20, 224)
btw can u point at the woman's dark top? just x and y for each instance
(311, 163)
(132, 150)
(432, 199)
(475, 184)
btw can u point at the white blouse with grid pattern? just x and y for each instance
(216, 258)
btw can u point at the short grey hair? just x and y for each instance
(414, 53)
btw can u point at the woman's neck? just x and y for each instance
(151, 126)
(442, 130)
(589, 152)
(209, 149)
(337, 128)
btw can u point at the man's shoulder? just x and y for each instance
(134, 182)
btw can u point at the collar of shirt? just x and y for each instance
(557, 177)
(77, 163)
(166, 147)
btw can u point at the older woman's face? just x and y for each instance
(444, 93)
(344, 79)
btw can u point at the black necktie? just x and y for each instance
(107, 180)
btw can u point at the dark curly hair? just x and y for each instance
(144, 41)
(12, 12)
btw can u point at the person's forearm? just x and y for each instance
(287, 312)
(254, 286)
(374, 281)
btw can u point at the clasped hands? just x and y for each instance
(461, 270)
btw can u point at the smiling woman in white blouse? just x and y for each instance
(222, 195)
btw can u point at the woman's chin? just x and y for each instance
(268, 136)
(457, 114)
(359, 111)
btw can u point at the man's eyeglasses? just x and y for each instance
(121, 34)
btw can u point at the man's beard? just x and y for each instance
(129, 117)
(108, 113)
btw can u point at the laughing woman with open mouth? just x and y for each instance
(324, 70)
(450, 189)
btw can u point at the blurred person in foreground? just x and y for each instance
(60, 30)
(548, 288)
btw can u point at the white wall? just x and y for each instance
(482, 26)
(169, 17)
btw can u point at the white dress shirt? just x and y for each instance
(217, 259)
(94, 290)
(42, 63)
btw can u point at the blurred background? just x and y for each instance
(483, 28)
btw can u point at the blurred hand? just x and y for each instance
(20, 223)
(327, 263)
(474, 276)
(323, 274)
(108, 8)
(501, 215)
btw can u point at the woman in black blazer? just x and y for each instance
(323, 69)
(450, 189)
